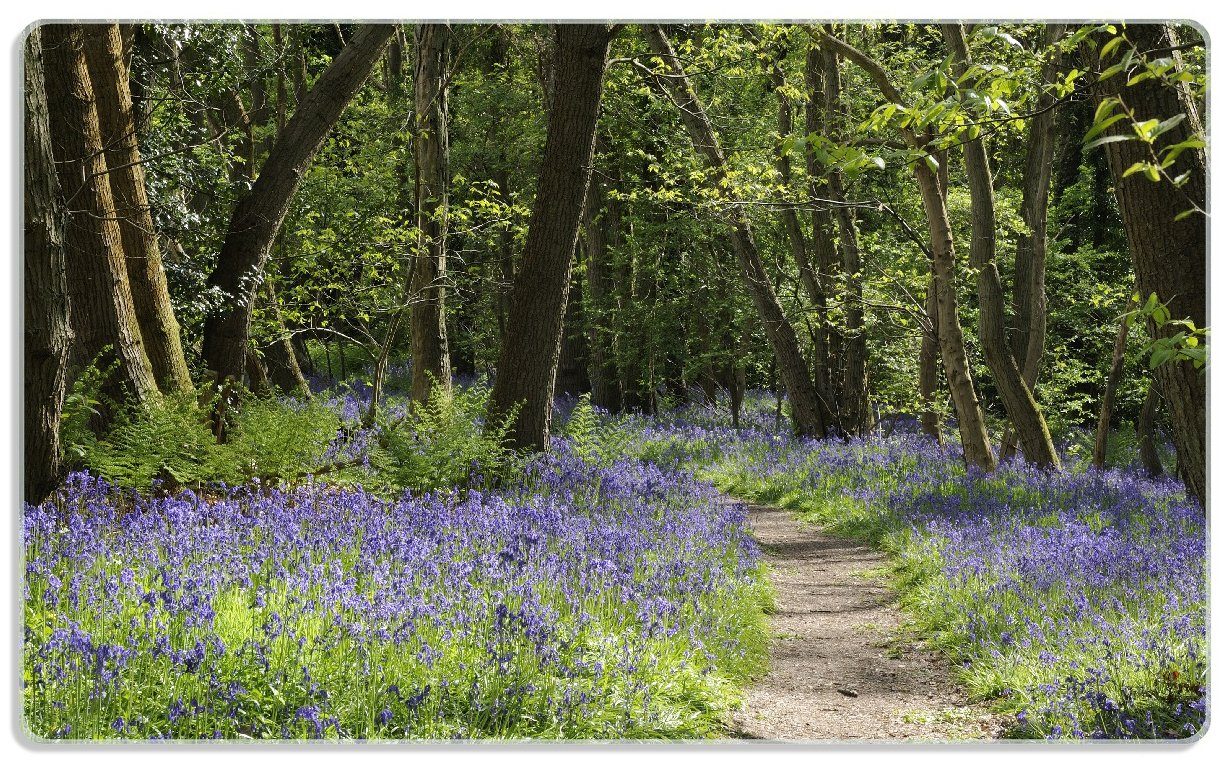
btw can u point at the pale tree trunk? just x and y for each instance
(428, 328)
(102, 307)
(1102, 436)
(1028, 329)
(975, 443)
(529, 354)
(806, 406)
(259, 214)
(1023, 411)
(1168, 255)
(104, 54)
(929, 347)
(47, 336)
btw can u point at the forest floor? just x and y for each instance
(844, 664)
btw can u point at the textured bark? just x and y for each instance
(102, 308)
(1146, 431)
(1102, 436)
(160, 334)
(428, 328)
(854, 393)
(975, 443)
(826, 260)
(47, 336)
(1168, 256)
(929, 364)
(1027, 331)
(259, 214)
(529, 354)
(603, 384)
(280, 358)
(806, 406)
(1023, 411)
(572, 377)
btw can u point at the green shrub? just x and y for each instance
(280, 440)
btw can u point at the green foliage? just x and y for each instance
(274, 439)
(597, 441)
(445, 442)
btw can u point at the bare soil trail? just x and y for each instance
(842, 665)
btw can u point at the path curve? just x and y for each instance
(842, 667)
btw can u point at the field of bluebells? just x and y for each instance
(1075, 600)
(586, 598)
(604, 590)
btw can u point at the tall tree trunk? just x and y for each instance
(1023, 411)
(572, 377)
(854, 397)
(102, 307)
(929, 347)
(1168, 255)
(529, 354)
(47, 336)
(602, 370)
(806, 406)
(104, 54)
(1028, 328)
(975, 443)
(259, 214)
(281, 360)
(428, 328)
(1146, 431)
(827, 260)
(1102, 436)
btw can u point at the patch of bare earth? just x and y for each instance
(842, 665)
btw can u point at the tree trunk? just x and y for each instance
(102, 307)
(806, 406)
(854, 395)
(428, 328)
(258, 215)
(1028, 328)
(1023, 411)
(529, 354)
(602, 370)
(280, 358)
(1108, 395)
(1146, 431)
(929, 364)
(572, 377)
(1168, 255)
(47, 334)
(159, 330)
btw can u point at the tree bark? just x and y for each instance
(1028, 328)
(259, 214)
(47, 336)
(1023, 411)
(102, 313)
(806, 406)
(1146, 431)
(529, 354)
(428, 328)
(604, 386)
(1102, 436)
(160, 334)
(1168, 255)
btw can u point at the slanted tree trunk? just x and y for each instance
(529, 354)
(428, 328)
(104, 52)
(280, 358)
(1102, 436)
(929, 347)
(975, 443)
(259, 214)
(102, 307)
(1168, 255)
(47, 334)
(1023, 411)
(1027, 332)
(805, 403)
(572, 377)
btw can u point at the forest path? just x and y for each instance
(842, 667)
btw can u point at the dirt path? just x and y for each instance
(841, 666)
